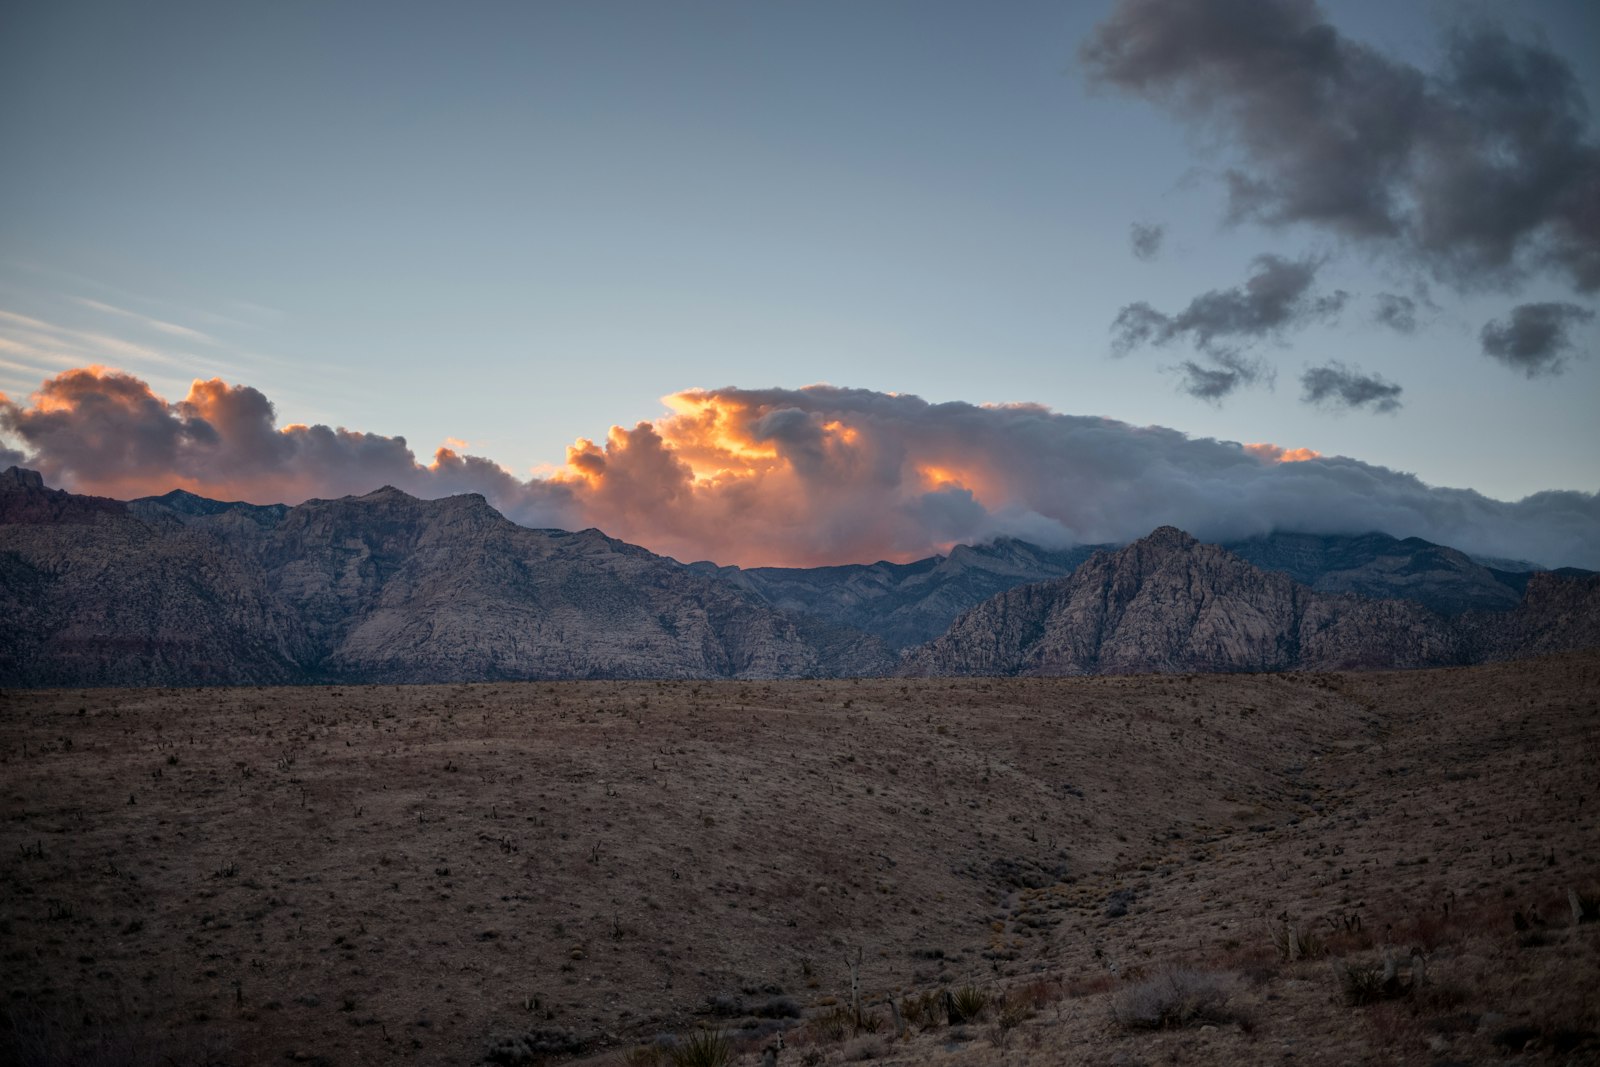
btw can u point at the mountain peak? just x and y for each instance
(25, 500)
(22, 477)
(1168, 537)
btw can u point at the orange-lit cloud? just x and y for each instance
(106, 432)
(788, 476)
(1270, 453)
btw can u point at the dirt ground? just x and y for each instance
(593, 872)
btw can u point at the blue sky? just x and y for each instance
(512, 225)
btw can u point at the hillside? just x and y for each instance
(558, 872)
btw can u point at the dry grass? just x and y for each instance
(427, 874)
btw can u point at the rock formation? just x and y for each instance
(1168, 603)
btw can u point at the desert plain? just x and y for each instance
(596, 872)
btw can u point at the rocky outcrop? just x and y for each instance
(1168, 603)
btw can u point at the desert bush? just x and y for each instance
(971, 1002)
(832, 1025)
(1037, 994)
(1368, 983)
(643, 1056)
(1297, 942)
(1012, 1013)
(921, 1011)
(1175, 997)
(703, 1048)
(778, 1007)
(1362, 983)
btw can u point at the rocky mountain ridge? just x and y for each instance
(378, 588)
(1169, 604)
(182, 590)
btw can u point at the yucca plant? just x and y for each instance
(703, 1048)
(971, 1002)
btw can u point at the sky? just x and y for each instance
(1062, 271)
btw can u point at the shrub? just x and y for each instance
(921, 1011)
(832, 1025)
(703, 1048)
(1176, 997)
(1297, 942)
(971, 1002)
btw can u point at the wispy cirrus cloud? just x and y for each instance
(160, 326)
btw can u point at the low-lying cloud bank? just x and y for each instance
(791, 476)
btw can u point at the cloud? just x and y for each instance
(108, 433)
(1275, 299)
(1397, 312)
(1479, 171)
(1271, 453)
(159, 325)
(1536, 340)
(1145, 239)
(1230, 373)
(793, 476)
(1335, 385)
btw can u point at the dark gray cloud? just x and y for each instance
(1227, 373)
(1537, 338)
(1480, 170)
(1336, 385)
(1275, 299)
(1396, 311)
(1146, 238)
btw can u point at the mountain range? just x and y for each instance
(183, 590)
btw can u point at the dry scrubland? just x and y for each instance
(453, 873)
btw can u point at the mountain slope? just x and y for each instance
(905, 604)
(1377, 565)
(1168, 603)
(378, 588)
(95, 596)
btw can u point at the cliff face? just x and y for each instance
(379, 588)
(1168, 603)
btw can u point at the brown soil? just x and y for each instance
(426, 874)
